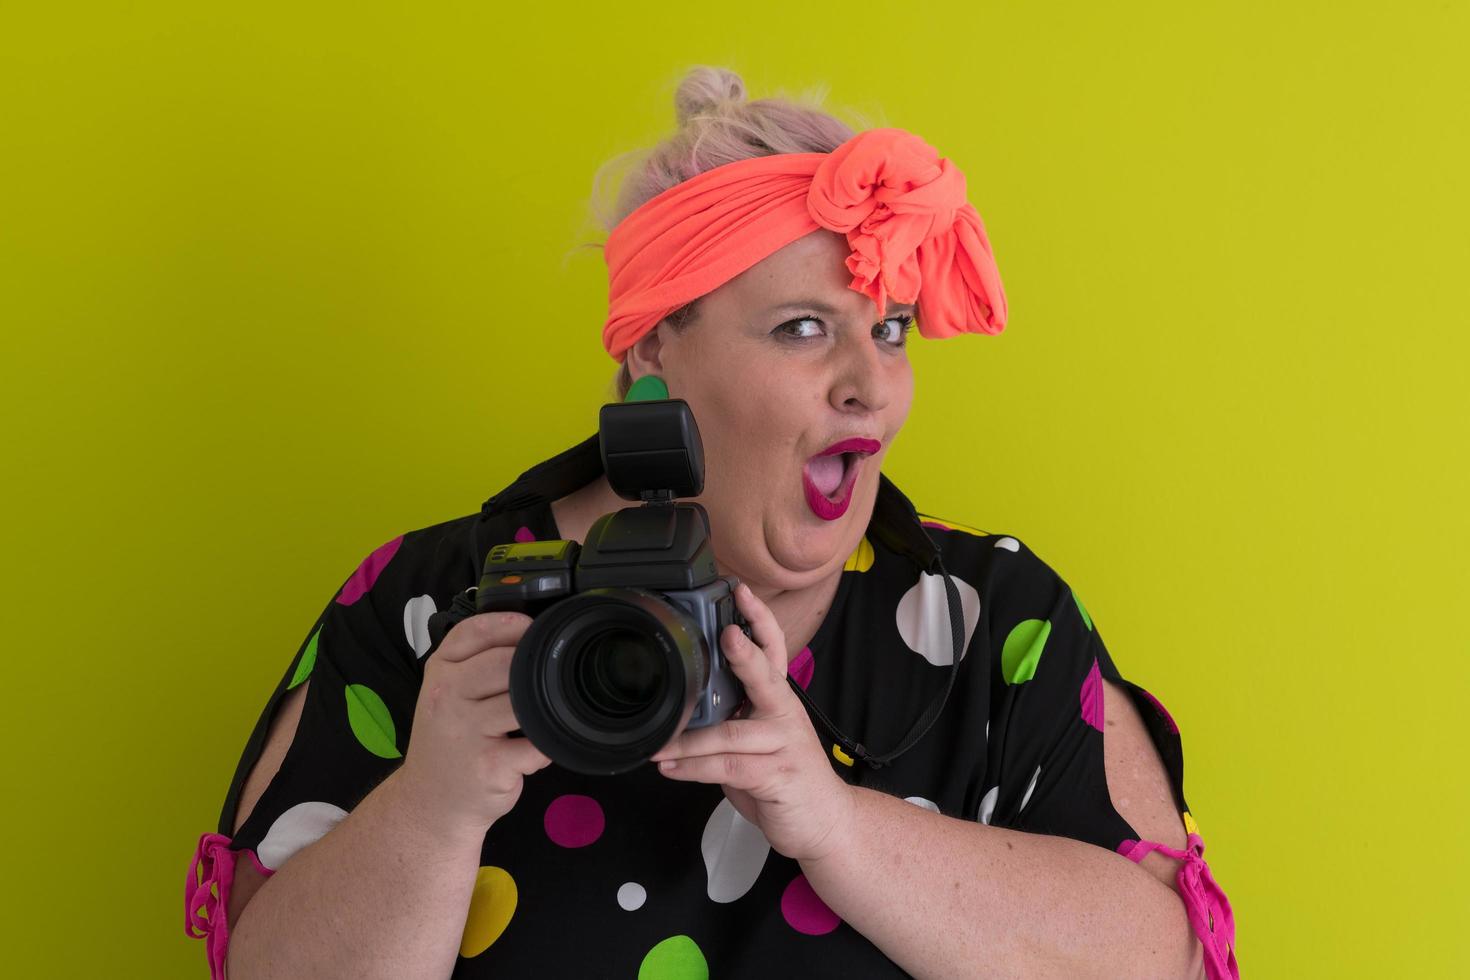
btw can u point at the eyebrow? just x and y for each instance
(817, 306)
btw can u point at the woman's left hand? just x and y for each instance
(771, 763)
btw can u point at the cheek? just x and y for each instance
(748, 402)
(753, 432)
(905, 399)
(901, 396)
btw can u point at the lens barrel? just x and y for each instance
(603, 679)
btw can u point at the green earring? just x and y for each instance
(650, 387)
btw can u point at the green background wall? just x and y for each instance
(280, 282)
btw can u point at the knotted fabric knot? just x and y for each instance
(899, 203)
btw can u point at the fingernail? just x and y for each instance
(666, 765)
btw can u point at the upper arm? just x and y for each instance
(350, 692)
(1138, 783)
(1095, 763)
(282, 730)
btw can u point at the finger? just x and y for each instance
(759, 737)
(478, 633)
(765, 685)
(484, 675)
(737, 770)
(763, 626)
(524, 757)
(497, 715)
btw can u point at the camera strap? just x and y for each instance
(897, 525)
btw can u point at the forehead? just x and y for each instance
(809, 274)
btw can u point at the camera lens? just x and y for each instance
(604, 678)
(618, 673)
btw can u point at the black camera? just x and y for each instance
(623, 651)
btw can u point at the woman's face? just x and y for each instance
(781, 362)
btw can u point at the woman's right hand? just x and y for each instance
(460, 767)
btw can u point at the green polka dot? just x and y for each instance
(1022, 649)
(371, 722)
(1082, 609)
(308, 661)
(676, 958)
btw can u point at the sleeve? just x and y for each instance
(361, 656)
(1049, 713)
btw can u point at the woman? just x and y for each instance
(878, 809)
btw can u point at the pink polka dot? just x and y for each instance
(1163, 712)
(574, 821)
(361, 580)
(804, 911)
(523, 533)
(802, 667)
(1092, 697)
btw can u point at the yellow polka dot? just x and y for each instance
(1190, 827)
(840, 755)
(492, 904)
(955, 526)
(861, 558)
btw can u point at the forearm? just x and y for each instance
(383, 894)
(943, 897)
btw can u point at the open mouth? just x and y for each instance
(827, 483)
(828, 477)
(832, 476)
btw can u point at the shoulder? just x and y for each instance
(1025, 606)
(400, 581)
(1000, 565)
(406, 559)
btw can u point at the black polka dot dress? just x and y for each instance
(644, 877)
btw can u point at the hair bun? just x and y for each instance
(704, 89)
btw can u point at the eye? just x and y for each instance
(804, 319)
(896, 339)
(906, 323)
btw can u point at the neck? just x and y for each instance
(799, 612)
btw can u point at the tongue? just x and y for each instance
(826, 472)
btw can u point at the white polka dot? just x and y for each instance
(1008, 543)
(1029, 787)
(923, 617)
(987, 805)
(631, 896)
(734, 853)
(304, 823)
(919, 801)
(416, 613)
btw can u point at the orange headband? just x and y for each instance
(901, 206)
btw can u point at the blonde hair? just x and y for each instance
(716, 126)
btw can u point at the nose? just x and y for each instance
(861, 380)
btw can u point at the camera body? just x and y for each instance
(623, 650)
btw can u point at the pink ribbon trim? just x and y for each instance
(207, 897)
(1204, 901)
